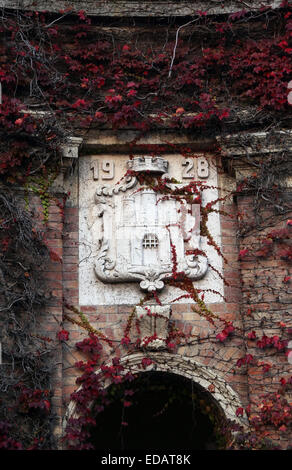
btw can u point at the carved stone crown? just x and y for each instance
(147, 163)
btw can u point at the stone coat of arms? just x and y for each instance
(141, 231)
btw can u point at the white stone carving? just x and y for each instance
(203, 167)
(143, 233)
(153, 324)
(188, 163)
(107, 170)
(96, 227)
(70, 149)
(148, 164)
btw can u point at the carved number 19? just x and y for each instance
(107, 169)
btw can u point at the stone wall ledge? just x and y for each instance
(134, 8)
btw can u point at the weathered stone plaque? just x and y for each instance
(131, 236)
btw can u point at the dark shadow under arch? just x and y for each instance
(157, 411)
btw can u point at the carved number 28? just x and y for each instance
(202, 168)
(107, 169)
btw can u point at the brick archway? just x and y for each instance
(224, 395)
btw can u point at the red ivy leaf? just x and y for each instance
(127, 404)
(146, 361)
(211, 388)
(63, 335)
(54, 256)
(242, 254)
(239, 411)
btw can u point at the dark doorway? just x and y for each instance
(156, 411)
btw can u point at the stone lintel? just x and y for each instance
(256, 143)
(159, 8)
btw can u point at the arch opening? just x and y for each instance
(159, 410)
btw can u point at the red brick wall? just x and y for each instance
(266, 301)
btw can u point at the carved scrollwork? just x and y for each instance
(104, 267)
(198, 265)
(152, 277)
(105, 190)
